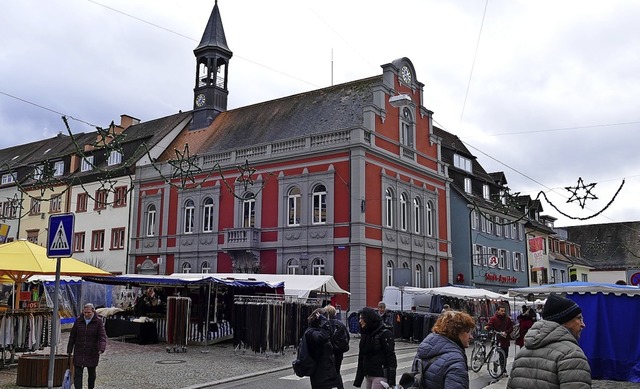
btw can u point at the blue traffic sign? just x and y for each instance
(60, 235)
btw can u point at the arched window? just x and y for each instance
(417, 215)
(406, 135)
(293, 200)
(389, 273)
(405, 265)
(388, 201)
(418, 281)
(249, 210)
(186, 267)
(205, 268)
(151, 220)
(189, 210)
(318, 267)
(429, 229)
(207, 215)
(431, 280)
(292, 266)
(403, 212)
(319, 204)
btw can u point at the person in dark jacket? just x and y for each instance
(525, 321)
(318, 338)
(387, 317)
(340, 336)
(87, 341)
(444, 361)
(551, 357)
(502, 324)
(377, 361)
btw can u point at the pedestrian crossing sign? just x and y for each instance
(60, 235)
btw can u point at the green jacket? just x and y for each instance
(550, 359)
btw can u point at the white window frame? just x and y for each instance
(207, 215)
(249, 211)
(486, 193)
(417, 215)
(294, 207)
(87, 164)
(418, 276)
(318, 267)
(389, 275)
(151, 220)
(37, 172)
(403, 212)
(58, 168)
(319, 204)
(186, 267)
(115, 158)
(189, 215)
(8, 178)
(205, 267)
(293, 266)
(431, 280)
(430, 219)
(474, 220)
(467, 185)
(462, 163)
(388, 200)
(477, 255)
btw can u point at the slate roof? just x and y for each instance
(453, 143)
(213, 35)
(319, 111)
(609, 245)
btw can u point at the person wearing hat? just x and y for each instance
(551, 357)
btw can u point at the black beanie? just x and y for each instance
(560, 309)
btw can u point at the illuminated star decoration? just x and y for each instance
(584, 193)
(246, 173)
(185, 166)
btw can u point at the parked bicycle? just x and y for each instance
(495, 358)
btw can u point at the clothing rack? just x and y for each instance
(269, 323)
(178, 316)
(24, 331)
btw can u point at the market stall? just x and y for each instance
(610, 340)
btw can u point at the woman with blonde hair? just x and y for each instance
(444, 362)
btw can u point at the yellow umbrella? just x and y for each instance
(21, 259)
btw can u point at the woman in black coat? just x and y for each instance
(377, 356)
(87, 341)
(318, 339)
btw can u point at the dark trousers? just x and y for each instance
(503, 361)
(77, 377)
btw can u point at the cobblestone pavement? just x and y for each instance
(129, 365)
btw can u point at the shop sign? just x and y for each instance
(493, 277)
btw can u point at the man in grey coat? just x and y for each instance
(551, 357)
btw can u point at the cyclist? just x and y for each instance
(502, 325)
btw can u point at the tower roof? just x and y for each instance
(213, 36)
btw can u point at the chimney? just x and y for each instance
(126, 121)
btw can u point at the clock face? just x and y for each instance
(200, 100)
(405, 74)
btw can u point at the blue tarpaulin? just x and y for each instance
(610, 340)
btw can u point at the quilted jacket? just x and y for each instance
(444, 362)
(551, 358)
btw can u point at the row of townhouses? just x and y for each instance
(352, 180)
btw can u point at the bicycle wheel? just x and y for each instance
(477, 357)
(494, 362)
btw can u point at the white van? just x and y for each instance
(409, 298)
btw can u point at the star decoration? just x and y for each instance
(596, 247)
(47, 179)
(109, 140)
(581, 193)
(16, 206)
(246, 173)
(185, 166)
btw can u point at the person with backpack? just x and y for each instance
(339, 336)
(377, 361)
(318, 338)
(441, 355)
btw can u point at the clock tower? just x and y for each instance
(212, 69)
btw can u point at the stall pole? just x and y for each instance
(206, 325)
(54, 327)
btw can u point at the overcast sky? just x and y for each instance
(546, 91)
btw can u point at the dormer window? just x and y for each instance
(467, 185)
(462, 163)
(115, 158)
(37, 172)
(87, 164)
(485, 192)
(8, 178)
(58, 168)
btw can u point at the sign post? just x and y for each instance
(59, 245)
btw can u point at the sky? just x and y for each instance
(546, 91)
